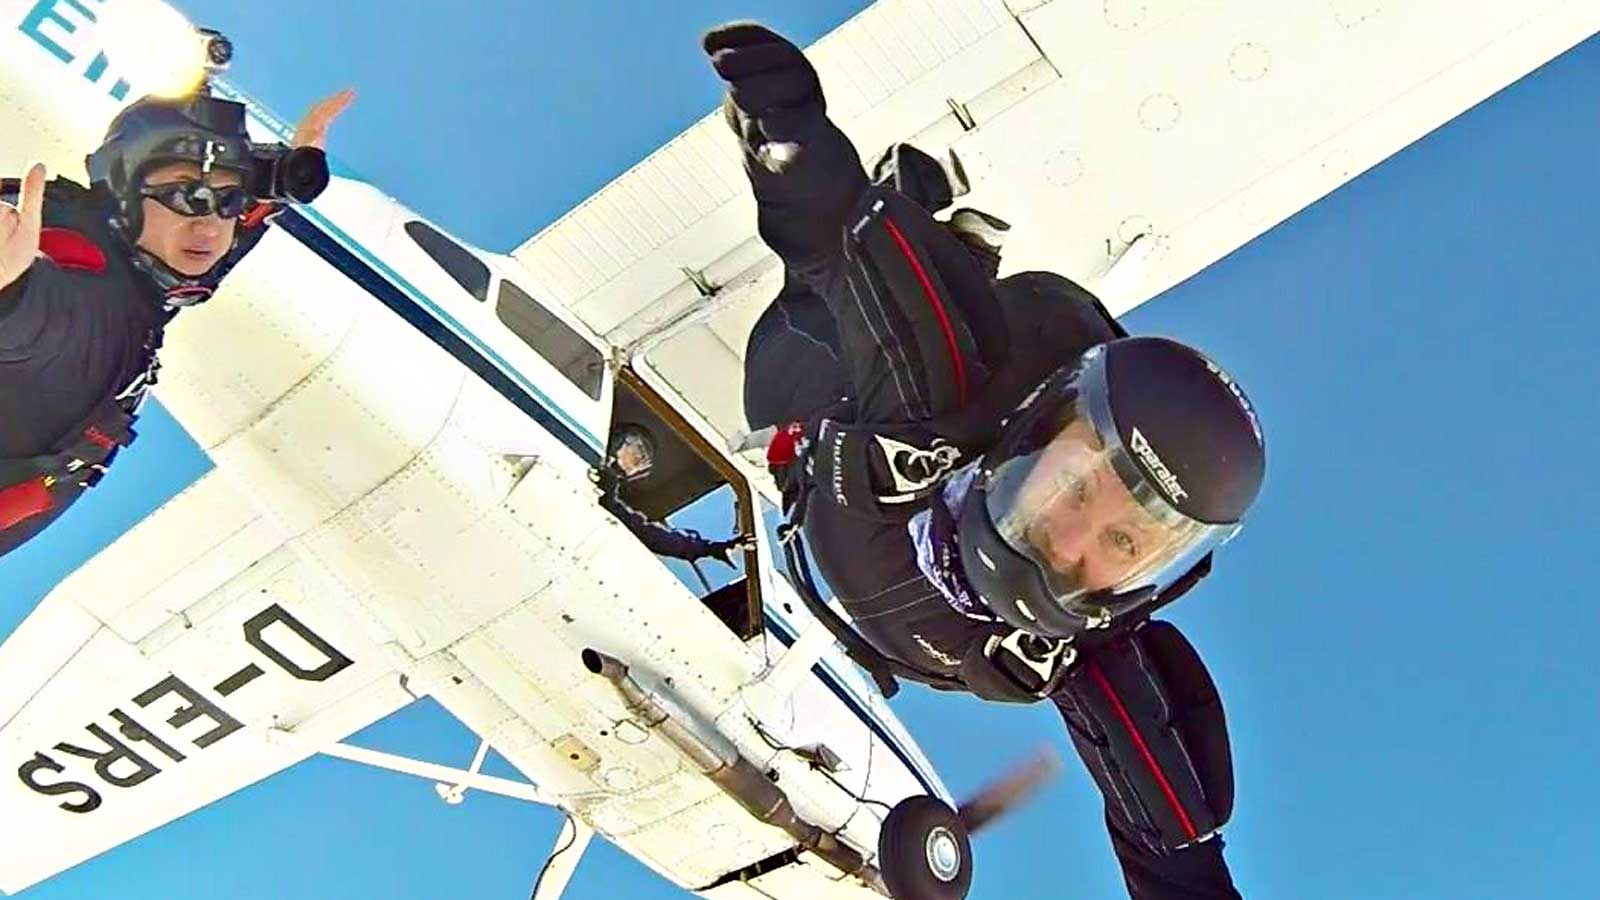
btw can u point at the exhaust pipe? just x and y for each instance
(718, 759)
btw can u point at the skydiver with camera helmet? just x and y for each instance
(90, 277)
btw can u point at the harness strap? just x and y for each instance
(32, 484)
(883, 669)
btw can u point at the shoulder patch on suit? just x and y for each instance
(71, 250)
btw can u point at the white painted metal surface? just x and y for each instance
(1201, 124)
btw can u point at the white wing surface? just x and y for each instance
(148, 683)
(1085, 124)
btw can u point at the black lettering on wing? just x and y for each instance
(31, 770)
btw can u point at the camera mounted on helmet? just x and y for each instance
(211, 132)
(1109, 488)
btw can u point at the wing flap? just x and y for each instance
(1204, 127)
(188, 548)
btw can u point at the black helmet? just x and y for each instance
(1115, 478)
(153, 131)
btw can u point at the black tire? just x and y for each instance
(924, 852)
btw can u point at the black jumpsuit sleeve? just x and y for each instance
(660, 539)
(905, 342)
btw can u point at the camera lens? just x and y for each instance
(302, 174)
(219, 50)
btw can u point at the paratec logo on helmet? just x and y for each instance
(1167, 480)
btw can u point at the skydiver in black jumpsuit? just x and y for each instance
(922, 362)
(90, 278)
(632, 457)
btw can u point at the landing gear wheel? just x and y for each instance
(923, 851)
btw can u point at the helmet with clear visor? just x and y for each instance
(1112, 481)
(633, 452)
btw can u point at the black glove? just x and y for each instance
(774, 95)
(605, 478)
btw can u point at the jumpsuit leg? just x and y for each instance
(1193, 873)
(1196, 872)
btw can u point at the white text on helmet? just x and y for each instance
(1169, 482)
(1238, 394)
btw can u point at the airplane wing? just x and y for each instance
(111, 743)
(1086, 125)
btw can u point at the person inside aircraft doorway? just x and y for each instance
(90, 277)
(632, 456)
(1011, 485)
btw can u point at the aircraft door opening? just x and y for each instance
(691, 476)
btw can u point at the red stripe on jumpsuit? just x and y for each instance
(1144, 751)
(938, 307)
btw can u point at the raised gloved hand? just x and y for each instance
(774, 95)
(20, 227)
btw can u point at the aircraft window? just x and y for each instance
(558, 344)
(468, 270)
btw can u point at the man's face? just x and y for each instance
(1080, 519)
(189, 244)
(633, 458)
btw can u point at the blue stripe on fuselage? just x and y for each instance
(327, 239)
(787, 638)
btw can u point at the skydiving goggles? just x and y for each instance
(196, 198)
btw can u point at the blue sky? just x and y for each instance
(1402, 634)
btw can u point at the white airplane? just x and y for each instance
(402, 425)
